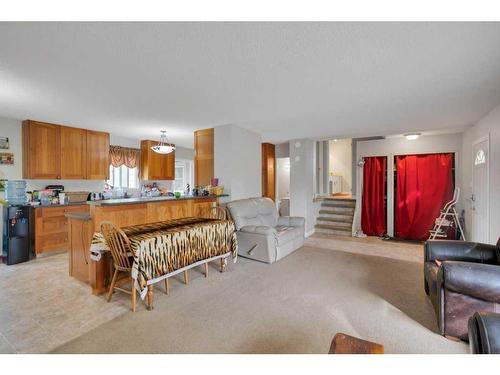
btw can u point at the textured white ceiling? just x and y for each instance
(285, 80)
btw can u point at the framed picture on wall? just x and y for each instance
(4, 143)
(6, 158)
(2, 185)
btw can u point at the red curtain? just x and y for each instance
(373, 211)
(424, 184)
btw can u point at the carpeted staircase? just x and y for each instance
(336, 216)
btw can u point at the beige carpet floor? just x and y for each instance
(402, 250)
(293, 306)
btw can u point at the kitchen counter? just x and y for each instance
(110, 202)
(122, 213)
(60, 205)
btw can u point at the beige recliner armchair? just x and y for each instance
(262, 234)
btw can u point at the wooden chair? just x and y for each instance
(121, 253)
(119, 245)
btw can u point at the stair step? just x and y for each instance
(337, 217)
(338, 204)
(337, 226)
(329, 199)
(333, 227)
(337, 211)
(331, 232)
(341, 219)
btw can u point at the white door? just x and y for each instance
(479, 198)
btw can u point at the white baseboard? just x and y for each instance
(310, 233)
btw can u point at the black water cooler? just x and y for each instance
(18, 234)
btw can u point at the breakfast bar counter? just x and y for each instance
(135, 211)
(113, 202)
(122, 213)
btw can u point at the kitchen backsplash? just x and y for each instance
(69, 185)
(90, 186)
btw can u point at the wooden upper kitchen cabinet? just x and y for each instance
(269, 170)
(73, 153)
(52, 151)
(203, 157)
(155, 166)
(41, 150)
(97, 155)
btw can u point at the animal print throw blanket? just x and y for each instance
(164, 247)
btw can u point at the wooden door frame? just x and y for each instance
(486, 138)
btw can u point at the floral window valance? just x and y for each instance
(130, 157)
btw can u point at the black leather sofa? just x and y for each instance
(461, 278)
(484, 333)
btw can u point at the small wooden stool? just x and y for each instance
(345, 344)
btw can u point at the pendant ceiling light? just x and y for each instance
(163, 147)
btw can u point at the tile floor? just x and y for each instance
(42, 307)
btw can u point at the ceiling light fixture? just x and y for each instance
(412, 136)
(164, 147)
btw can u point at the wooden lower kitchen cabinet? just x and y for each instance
(203, 207)
(126, 214)
(178, 209)
(51, 227)
(80, 238)
(168, 210)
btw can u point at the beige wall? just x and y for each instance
(237, 162)
(12, 129)
(341, 162)
(302, 181)
(283, 177)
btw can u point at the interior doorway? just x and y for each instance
(480, 190)
(340, 168)
(283, 185)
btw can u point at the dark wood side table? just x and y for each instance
(345, 344)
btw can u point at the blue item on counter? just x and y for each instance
(15, 192)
